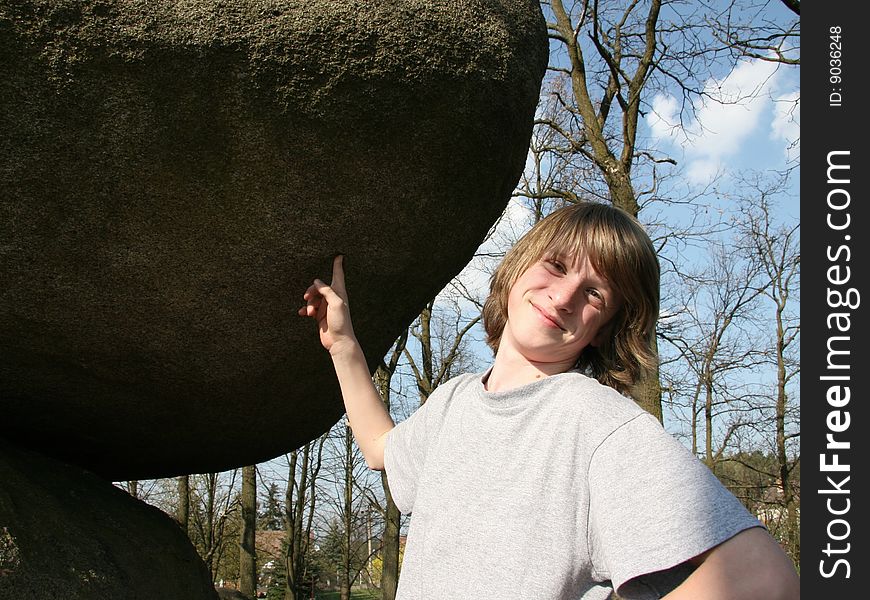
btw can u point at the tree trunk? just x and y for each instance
(345, 576)
(708, 424)
(789, 500)
(392, 517)
(390, 549)
(209, 537)
(247, 554)
(648, 392)
(290, 531)
(183, 513)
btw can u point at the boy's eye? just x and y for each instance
(596, 295)
(556, 264)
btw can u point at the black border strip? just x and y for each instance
(834, 254)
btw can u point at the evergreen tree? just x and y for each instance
(270, 517)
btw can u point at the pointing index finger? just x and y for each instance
(337, 283)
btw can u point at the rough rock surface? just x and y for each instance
(66, 533)
(174, 174)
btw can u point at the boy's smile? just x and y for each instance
(549, 319)
(557, 308)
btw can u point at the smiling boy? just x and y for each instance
(539, 478)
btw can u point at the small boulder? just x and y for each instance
(66, 533)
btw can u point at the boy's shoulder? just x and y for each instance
(586, 395)
(582, 405)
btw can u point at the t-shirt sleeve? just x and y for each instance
(653, 506)
(405, 453)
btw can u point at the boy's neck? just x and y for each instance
(509, 372)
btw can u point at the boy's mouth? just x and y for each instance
(548, 317)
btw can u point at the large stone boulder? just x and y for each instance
(174, 174)
(66, 533)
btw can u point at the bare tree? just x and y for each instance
(133, 488)
(757, 29)
(247, 543)
(736, 363)
(300, 502)
(776, 248)
(148, 490)
(214, 502)
(623, 43)
(441, 332)
(389, 511)
(345, 511)
(718, 350)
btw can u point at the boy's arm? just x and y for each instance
(366, 413)
(368, 417)
(748, 566)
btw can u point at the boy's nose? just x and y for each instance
(564, 297)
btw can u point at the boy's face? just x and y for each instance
(558, 307)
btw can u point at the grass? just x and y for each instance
(354, 595)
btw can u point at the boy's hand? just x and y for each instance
(327, 304)
(366, 413)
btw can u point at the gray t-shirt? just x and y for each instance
(558, 489)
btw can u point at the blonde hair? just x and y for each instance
(620, 251)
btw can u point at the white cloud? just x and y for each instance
(732, 110)
(703, 170)
(664, 119)
(786, 125)
(737, 105)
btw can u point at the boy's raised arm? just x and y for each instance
(749, 566)
(368, 417)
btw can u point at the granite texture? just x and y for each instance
(66, 533)
(174, 174)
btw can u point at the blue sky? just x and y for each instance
(752, 121)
